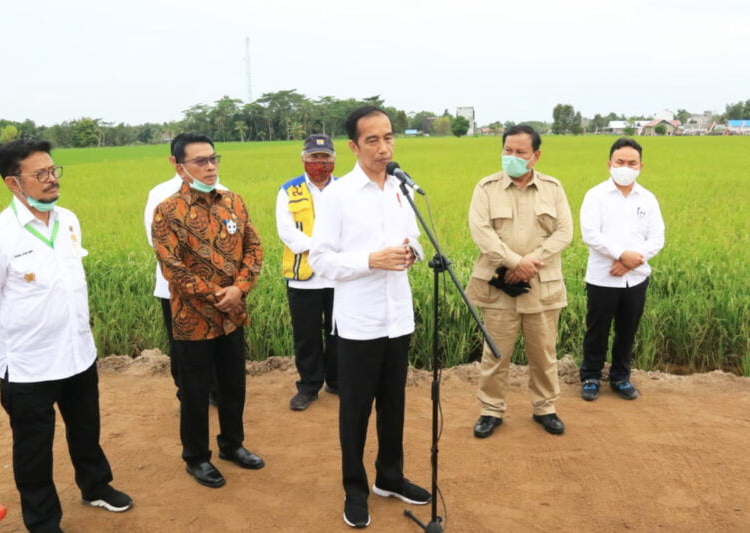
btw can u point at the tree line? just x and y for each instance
(289, 115)
(281, 115)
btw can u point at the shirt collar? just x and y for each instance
(611, 187)
(507, 181)
(360, 179)
(310, 184)
(25, 216)
(192, 196)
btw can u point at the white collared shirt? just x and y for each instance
(156, 196)
(44, 311)
(357, 218)
(612, 223)
(298, 241)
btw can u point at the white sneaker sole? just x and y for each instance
(355, 526)
(107, 506)
(388, 494)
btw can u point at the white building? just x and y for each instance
(468, 114)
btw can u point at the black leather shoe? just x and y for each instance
(206, 474)
(244, 458)
(551, 423)
(302, 401)
(486, 425)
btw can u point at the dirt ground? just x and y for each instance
(676, 459)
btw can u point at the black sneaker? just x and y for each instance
(624, 389)
(408, 493)
(111, 499)
(590, 390)
(356, 514)
(302, 401)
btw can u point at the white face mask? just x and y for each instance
(624, 176)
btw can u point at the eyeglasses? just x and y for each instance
(203, 161)
(44, 175)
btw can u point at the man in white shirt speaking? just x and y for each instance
(47, 352)
(365, 239)
(622, 225)
(310, 296)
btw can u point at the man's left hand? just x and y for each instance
(618, 269)
(229, 300)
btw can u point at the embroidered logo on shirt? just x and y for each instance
(231, 226)
(640, 212)
(29, 277)
(27, 252)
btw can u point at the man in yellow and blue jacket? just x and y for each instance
(310, 296)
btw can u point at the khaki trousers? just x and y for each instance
(540, 337)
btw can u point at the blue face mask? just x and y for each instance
(514, 166)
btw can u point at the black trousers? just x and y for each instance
(166, 312)
(314, 345)
(196, 363)
(30, 407)
(372, 370)
(605, 304)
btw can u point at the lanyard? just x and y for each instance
(49, 242)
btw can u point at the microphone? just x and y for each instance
(395, 170)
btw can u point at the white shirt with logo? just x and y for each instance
(355, 219)
(612, 223)
(44, 312)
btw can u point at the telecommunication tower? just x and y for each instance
(247, 71)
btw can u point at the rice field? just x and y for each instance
(697, 315)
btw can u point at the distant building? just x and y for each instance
(664, 114)
(671, 127)
(738, 127)
(699, 124)
(468, 114)
(618, 127)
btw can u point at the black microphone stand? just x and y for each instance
(439, 264)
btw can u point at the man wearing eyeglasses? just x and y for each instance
(211, 256)
(47, 351)
(156, 196)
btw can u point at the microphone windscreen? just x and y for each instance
(391, 167)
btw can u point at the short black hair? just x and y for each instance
(536, 140)
(12, 153)
(622, 142)
(351, 121)
(183, 139)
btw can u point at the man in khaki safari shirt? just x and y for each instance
(521, 222)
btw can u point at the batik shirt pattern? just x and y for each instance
(203, 245)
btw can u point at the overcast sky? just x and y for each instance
(142, 61)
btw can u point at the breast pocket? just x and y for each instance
(546, 219)
(31, 272)
(502, 219)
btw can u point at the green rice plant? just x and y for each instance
(697, 314)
